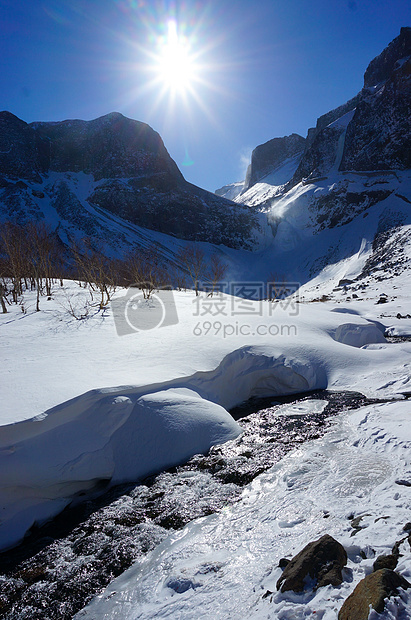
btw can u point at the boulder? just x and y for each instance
(385, 561)
(320, 561)
(372, 591)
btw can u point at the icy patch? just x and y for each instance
(303, 408)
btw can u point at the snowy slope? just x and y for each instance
(225, 564)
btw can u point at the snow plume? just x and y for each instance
(244, 161)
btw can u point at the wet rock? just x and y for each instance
(321, 561)
(372, 591)
(385, 561)
(355, 523)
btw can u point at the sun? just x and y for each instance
(175, 64)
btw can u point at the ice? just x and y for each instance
(303, 408)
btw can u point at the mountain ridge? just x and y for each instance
(131, 176)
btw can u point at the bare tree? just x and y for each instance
(2, 299)
(15, 248)
(96, 269)
(42, 259)
(143, 268)
(192, 259)
(215, 272)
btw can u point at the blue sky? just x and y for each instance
(264, 68)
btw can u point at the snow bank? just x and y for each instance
(404, 329)
(358, 335)
(106, 435)
(259, 371)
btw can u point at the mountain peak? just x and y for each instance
(380, 69)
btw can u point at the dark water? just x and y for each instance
(62, 565)
(394, 339)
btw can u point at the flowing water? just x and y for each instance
(63, 564)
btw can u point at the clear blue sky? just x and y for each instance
(264, 68)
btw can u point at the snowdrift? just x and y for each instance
(105, 435)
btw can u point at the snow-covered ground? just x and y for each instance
(97, 400)
(60, 374)
(221, 566)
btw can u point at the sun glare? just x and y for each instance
(174, 63)
(176, 66)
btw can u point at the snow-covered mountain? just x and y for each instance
(349, 193)
(271, 156)
(95, 178)
(272, 163)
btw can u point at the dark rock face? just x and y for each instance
(320, 157)
(131, 175)
(372, 590)
(329, 117)
(269, 156)
(321, 561)
(380, 69)
(109, 147)
(379, 135)
(340, 205)
(19, 148)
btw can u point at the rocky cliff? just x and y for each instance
(372, 131)
(114, 164)
(267, 157)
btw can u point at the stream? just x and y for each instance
(62, 565)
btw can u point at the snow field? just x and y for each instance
(82, 405)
